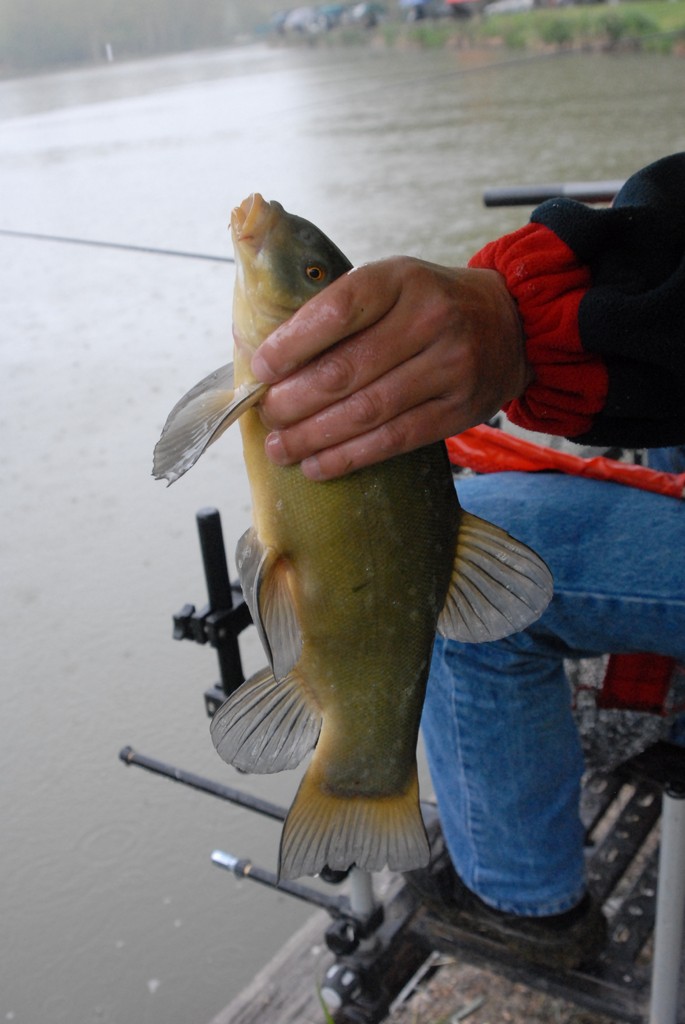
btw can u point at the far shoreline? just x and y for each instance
(636, 26)
(617, 26)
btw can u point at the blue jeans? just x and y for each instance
(502, 744)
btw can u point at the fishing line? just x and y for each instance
(399, 81)
(116, 245)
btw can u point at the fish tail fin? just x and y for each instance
(323, 829)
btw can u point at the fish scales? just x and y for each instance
(372, 573)
(347, 582)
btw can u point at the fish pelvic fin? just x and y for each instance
(498, 587)
(267, 725)
(324, 829)
(265, 577)
(198, 419)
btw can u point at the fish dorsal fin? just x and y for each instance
(499, 586)
(265, 579)
(266, 725)
(198, 419)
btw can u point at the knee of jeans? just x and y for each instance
(516, 650)
(514, 671)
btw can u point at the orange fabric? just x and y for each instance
(487, 450)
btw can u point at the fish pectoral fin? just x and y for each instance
(266, 725)
(198, 419)
(499, 585)
(324, 829)
(265, 577)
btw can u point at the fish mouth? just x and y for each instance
(250, 220)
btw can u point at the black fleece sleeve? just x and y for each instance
(601, 296)
(632, 315)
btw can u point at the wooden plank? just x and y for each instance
(284, 991)
(600, 995)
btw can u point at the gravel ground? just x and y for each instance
(458, 991)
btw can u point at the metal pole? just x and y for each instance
(363, 904)
(214, 559)
(220, 594)
(234, 796)
(244, 868)
(670, 910)
(362, 901)
(345, 980)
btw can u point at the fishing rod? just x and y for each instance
(531, 195)
(152, 250)
(510, 195)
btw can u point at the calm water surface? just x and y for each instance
(111, 909)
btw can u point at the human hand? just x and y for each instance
(392, 356)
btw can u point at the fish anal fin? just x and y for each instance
(266, 725)
(323, 829)
(198, 419)
(498, 587)
(266, 580)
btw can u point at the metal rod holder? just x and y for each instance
(244, 868)
(235, 796)
(670, 910)
(220, 596)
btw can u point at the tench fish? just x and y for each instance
(347, 582)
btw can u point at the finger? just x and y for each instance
(417, 381)
(352, 302)
(345, 370)
(406, 326)
(412, 430)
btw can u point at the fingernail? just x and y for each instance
(275, 450)
(261, 368)
(311, 468)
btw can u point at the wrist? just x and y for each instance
(564, 385)
(521, 373)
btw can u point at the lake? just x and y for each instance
(112, 911)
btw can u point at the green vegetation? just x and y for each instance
(649, 25)
(326, 1012)
(657, 25)
(40, 34)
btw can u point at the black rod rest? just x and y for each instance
(223, 618)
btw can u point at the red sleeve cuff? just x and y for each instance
(547, 281)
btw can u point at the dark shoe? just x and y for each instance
(561, 941)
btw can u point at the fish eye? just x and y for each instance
(315, 272)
